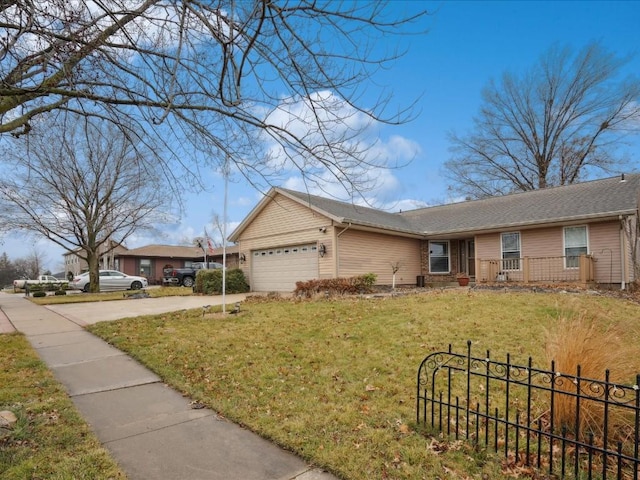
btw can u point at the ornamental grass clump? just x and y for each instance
(594, 344)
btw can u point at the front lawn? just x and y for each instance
(50, 439)
(334, 380)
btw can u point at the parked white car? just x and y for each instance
(110, 280)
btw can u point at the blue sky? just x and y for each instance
(466, 45)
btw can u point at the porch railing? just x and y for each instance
(537, 269)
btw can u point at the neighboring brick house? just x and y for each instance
(150, 260)
(581, 233)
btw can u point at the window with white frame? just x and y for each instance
(438, 257)
(575, 244)
(510, 245)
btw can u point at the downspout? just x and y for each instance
(336, 248)
(623, 250)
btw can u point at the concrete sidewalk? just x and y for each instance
(152, 431)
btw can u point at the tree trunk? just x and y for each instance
(94, 271)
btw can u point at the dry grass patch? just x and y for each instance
(593, 342)
(334, 380)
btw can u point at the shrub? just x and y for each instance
(39, 293)
(61, 292)
(368, 280)
(336, 286)
(209, 282)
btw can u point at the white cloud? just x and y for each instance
(328, 121)
(243, 201)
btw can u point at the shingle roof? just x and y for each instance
(173, 251)
(344, 212)
(581, 201)
(178, 251)
(605, 198)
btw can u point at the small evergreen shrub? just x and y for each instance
(368, 280)
(209, 282)
(39, 293)
(60, 292)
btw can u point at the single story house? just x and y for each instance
(150, 260)
(582, 233)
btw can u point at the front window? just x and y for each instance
(575, 244)
(439, 257)
(511, 251)
(145, 267)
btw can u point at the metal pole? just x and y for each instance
(224, 236)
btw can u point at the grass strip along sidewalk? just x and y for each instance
(49, 440)
(334, 380)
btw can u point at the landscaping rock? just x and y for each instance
(7, 419)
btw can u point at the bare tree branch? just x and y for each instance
(81, 185)
(550, 126)
(211, 80)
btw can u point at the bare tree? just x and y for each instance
(8, 270)
(395, 267)
(31, 265)
(81, 185)
(553, 125)
(219, 229)
(271, 85)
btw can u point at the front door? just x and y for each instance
(467, 260)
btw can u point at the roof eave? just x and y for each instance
(369, 227)
(532, 224)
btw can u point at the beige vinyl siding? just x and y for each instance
(281, 216)
(366, 252)
(281, 223)
(327, 264)
(604, 245)
(488, 246)
(603, 240)
(545, 242)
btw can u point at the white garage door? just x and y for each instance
(278, 269)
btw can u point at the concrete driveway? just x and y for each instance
(87, 313)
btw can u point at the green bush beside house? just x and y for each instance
(209, 282)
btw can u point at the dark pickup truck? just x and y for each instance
(186, 276)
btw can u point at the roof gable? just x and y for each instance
(596, 199)
(343, 212)
(339, 212)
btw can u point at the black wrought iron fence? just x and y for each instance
(560, 423)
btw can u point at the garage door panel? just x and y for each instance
(278, 269)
